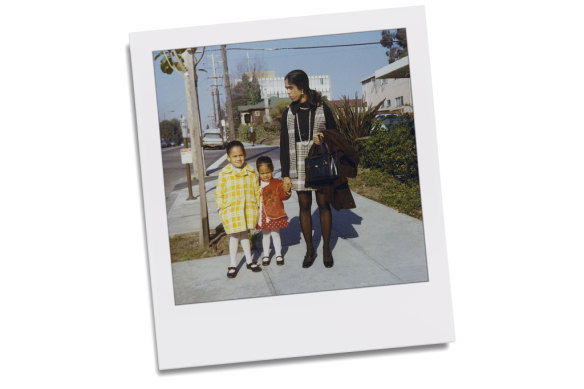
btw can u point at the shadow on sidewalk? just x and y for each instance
(343, 227)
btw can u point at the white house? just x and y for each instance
(392, 84)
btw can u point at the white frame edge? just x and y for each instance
(357, 319)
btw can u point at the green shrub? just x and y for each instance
(262, 131)
(277, 109)
(392, 151)
(273, 127)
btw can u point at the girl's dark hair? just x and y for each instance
(300, 79)
(264, 160)
(233, 144)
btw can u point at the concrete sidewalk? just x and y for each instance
(372, 245)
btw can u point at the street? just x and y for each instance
(175, 177)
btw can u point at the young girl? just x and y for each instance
(237, 196)
(272, 214)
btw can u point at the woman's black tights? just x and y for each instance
(326, 219)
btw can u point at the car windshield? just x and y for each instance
(217, 136)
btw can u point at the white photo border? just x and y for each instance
(309, 323)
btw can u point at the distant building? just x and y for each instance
(392, 84)
(353, 103)
(270, 85)
(255, 114)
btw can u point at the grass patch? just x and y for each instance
(186, 247)
(383, 188)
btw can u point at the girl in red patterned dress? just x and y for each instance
(272, 213)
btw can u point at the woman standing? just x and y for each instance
(302, 125)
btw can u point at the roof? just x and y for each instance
(352, 103)
(261, 105)
(396, 69)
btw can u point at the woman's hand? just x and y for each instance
(287, 184)
(318, 137)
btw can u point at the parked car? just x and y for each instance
(392, 120)
(212, 140)
(164, 143)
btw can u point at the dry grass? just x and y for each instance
(186, 247)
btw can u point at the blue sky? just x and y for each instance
(346, 66)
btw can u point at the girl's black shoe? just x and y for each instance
(309, 259)
(253, 267)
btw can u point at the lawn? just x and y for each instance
(383, 188)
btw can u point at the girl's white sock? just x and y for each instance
(246, 247)
(266, 242)
(233, 243)
(277, 242)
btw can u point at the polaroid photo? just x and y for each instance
(291, 187)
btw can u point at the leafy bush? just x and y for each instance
(277, 109)
(262, 131)
(273, 127)
(382, 187)
(393, 151)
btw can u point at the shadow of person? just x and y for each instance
(342, 226)
(290, 236)
(344, 222)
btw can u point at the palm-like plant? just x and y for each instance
(355, 121)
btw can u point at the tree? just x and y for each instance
(184, 62)
(170, 130)
(278, 109)
(397, 43)
(251, 90)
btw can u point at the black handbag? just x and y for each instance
(321, 168)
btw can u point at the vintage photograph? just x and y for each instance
(290, 166)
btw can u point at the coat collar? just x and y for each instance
(295, 106)
(244, 170)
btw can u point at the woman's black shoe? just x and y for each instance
(328, 260)
(309, 259)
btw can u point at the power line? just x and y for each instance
(297, 48)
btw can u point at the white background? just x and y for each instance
(74, 289)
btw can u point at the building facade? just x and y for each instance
(272, 86)
(392, 85)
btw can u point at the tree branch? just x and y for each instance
(202, 54)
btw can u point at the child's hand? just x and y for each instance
(287, 184)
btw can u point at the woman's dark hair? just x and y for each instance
(264, 160)
(233, 144)
(300, 79)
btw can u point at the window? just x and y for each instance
(399, 101)
(388, 103)
(256, 113)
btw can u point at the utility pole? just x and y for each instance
(229, 107)
(217, 95)
(214, 113)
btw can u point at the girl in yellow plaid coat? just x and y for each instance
(238, 197)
